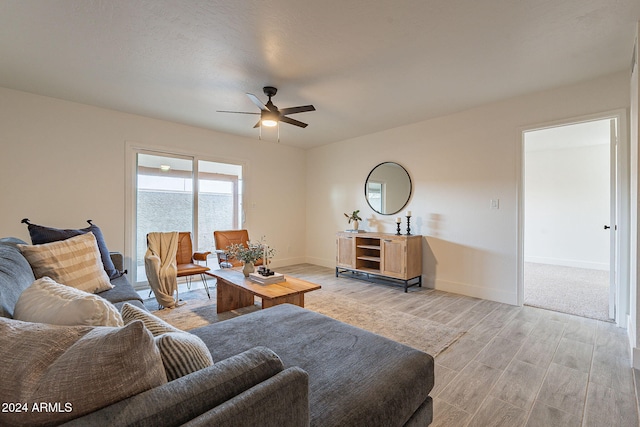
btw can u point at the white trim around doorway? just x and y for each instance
(622, 208)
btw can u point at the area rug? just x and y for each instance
(577, 291)
(422, 334)
(195, 310)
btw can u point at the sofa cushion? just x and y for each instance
(15, 275)
(41, 234)
(355, 377)
(47, 301)
(182, 353)
(179, 402)
(122, 291)
(73, 262)
(74, 369)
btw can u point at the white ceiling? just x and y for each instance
(366, 65)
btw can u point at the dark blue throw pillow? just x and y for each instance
(41, 235)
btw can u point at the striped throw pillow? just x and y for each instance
(154, 324)
(182, 353)
(73, 262)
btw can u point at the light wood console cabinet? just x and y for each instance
(390, 256)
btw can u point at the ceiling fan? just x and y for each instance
(270, 115)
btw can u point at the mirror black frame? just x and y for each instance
(366, 184)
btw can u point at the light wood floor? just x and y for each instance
(515, 366)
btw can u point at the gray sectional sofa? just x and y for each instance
(283, 366)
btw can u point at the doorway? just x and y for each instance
(180, 192)
(569, 218)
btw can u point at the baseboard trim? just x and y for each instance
(279, 262)
(635, 356)
(321, 262)
(635, 351)
(477, 291)
(447, 286)
(568, 263)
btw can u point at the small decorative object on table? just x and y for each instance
(398, 221)
(355, 218)
(408, 223)
(249, 254)
(265, 275)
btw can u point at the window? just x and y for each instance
(219, 200)
(168, 199)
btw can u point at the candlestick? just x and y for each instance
(409, 224)
(398, 226)
(264, 257)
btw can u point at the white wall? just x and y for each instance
(458, 163)
(62, 163)
(567, 205)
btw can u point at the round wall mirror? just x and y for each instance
(388, 188)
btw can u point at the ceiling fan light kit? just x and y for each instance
(270, 115)
(269, 118)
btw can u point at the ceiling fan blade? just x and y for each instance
(236, 112)
(256, 101)
(293, 122)
(301, 109)
(257, 124)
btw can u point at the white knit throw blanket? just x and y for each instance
(160, 266)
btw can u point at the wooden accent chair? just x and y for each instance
(224, 239)
(185, 260)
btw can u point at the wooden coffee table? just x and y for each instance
(236, 291)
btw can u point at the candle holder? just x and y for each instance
(408, 225)
(398, 231)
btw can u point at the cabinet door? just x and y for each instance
(394, 258)
(345, 251)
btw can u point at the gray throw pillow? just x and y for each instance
(73, 370)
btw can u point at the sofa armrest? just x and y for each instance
(181, 400)
(118, 260)
(280, 401)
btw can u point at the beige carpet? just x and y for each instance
(578, 291)
(422, 334)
